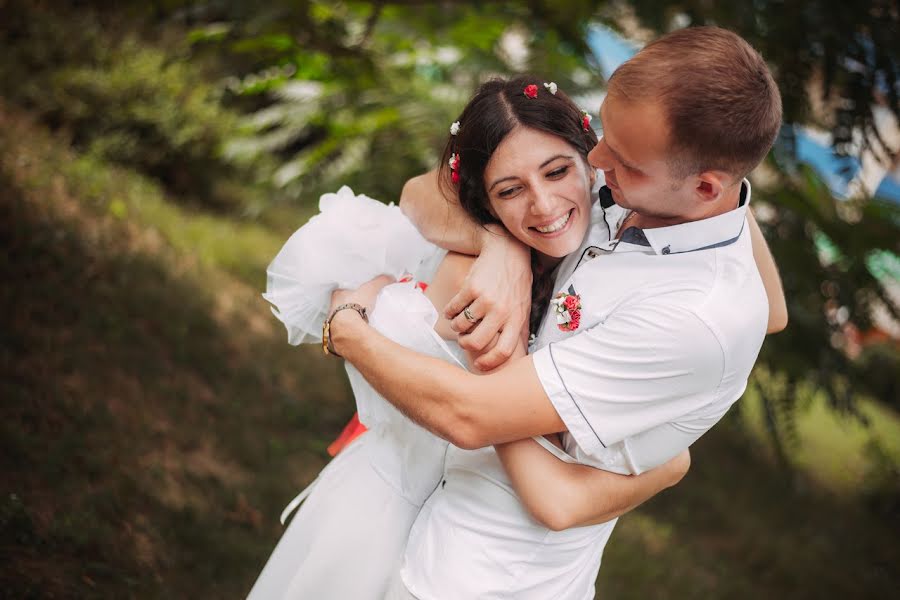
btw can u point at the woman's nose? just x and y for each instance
(542, 203)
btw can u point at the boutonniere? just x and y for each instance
(567, 306)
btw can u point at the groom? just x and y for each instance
(679, 312)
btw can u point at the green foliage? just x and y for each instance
(125, 100)
(369, 104)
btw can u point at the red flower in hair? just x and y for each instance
(585, 120)
(454, 167)
(531, 91)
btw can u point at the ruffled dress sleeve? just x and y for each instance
(353, 239)
(404, 315)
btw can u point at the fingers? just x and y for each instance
(479, 336)
(479, 309)
(459, 302)
(500, 353)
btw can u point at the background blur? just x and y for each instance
(155, 155)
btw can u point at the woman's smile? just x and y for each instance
(556, 227)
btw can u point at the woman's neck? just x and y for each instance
(542, 263)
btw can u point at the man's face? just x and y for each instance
(632, 154)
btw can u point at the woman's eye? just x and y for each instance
(558, 172)
(508, 192)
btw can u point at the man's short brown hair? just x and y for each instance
(722, 104)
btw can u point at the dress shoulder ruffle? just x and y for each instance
(353, 239)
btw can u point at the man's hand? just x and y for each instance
(497, 293)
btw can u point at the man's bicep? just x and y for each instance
(642, 367)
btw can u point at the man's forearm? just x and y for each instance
(429, 391)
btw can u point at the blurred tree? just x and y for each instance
(836, 64)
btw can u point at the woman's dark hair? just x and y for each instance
(497, 108)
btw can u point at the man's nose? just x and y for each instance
(600, 157)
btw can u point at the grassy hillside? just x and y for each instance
(155, 422)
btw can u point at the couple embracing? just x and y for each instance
(618, 301)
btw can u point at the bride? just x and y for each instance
(347, 540)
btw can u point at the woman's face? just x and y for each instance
(539, 188)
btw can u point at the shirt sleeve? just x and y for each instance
(644, 366)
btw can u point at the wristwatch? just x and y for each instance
(327, 346)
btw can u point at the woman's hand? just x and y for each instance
(497, 292)
(364, 295)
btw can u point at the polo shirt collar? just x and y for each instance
(713, 232)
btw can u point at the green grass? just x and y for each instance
(154, 422)
(834, 450)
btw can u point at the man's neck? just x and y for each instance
(729, 201)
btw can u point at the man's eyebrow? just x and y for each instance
(543, 164)
(619, 158)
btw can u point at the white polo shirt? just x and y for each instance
(672, 321)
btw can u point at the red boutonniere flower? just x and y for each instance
(567, 308)
(531, 91)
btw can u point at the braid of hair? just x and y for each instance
(541, 290)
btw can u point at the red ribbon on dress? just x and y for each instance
(351, 431)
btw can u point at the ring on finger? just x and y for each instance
(468, 315)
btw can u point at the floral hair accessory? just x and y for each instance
(531, 91)
(551, 87)
(454, 129)
(586, 120)
(454, 168)
(567, 307)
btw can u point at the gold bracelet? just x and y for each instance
(327, 346)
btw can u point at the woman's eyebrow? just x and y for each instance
(501, 180)
(552, 158)
(543, 164)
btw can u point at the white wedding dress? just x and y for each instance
(347, 539)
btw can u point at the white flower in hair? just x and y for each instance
(454, 129)
(551, 87)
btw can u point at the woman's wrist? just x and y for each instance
(345, 327)
(492, 234)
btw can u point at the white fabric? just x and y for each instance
(670, 330)
(473, 538)
(353, 239)
(348, 537)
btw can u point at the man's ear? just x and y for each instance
(710, 185)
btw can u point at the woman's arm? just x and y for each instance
(768, 270)
(497, 286)
(562, 495)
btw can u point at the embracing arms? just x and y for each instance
(559, 494)
(768, 270)
(497, 286)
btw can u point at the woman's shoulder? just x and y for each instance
(447, 281)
